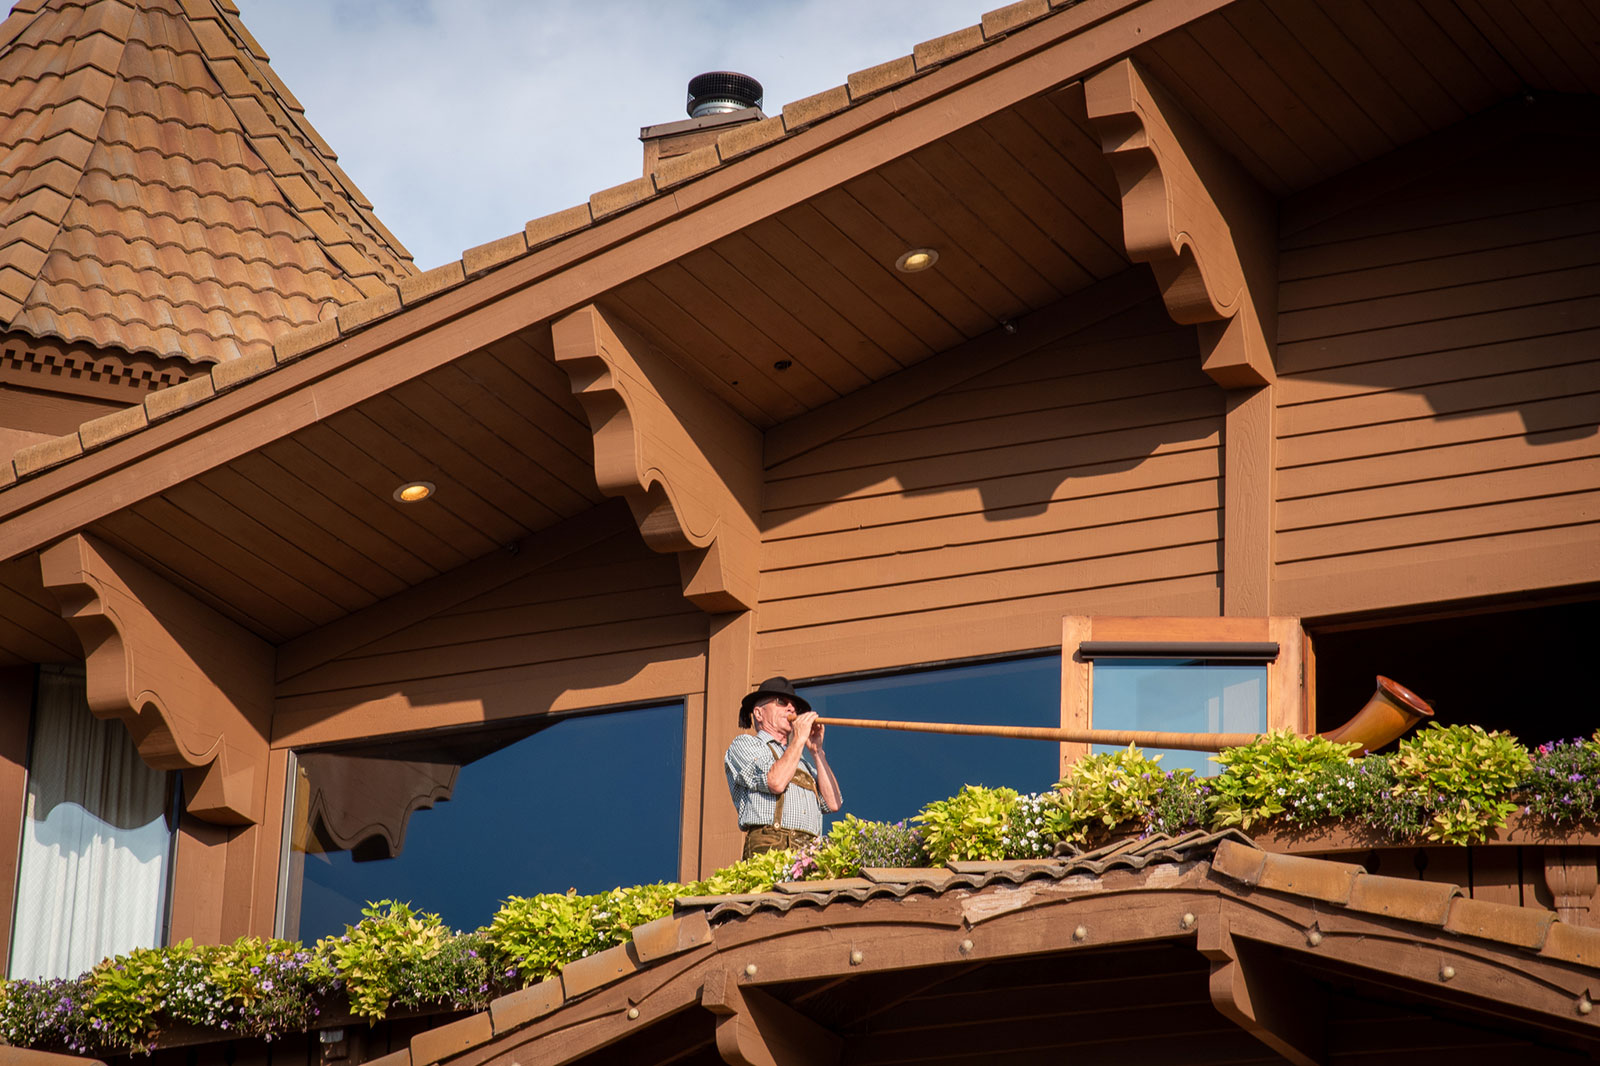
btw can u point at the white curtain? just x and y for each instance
(95, 847)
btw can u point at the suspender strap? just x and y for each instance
(802, 777)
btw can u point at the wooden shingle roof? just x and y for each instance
(161, 190)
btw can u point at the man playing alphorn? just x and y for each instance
(779, 778)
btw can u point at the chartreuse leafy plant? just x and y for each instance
(1107, 790)
(1281, 774)
(373, 956)
(532, 937)
(1463, 776)
(971, 825)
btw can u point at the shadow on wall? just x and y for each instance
(1101, 441)
(1454, 300)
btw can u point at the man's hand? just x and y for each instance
(813, 738)
(806, 730)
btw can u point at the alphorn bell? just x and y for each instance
(1393, 711)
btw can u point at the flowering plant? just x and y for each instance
(1563, 783)
(852, 843)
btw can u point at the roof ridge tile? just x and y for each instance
(44, 454)
(98, 432)
(354, 316)
(233, 372)
(164, 403)
(950, 46)
(1572, 943)
(557, 224)
(302, 339)
(1506, 923)
(815, 108)
(492, 253)
(1399, 897)
(1003, 20)
(621, 197)
(419, 287)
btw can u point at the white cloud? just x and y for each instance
(462, 119)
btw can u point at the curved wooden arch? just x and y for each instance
(193, 689)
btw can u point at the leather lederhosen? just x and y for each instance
(759, 839)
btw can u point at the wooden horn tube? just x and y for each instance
(1119, 737)
(1392, 711)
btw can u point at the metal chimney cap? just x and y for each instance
(719, 91)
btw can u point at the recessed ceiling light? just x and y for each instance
(916, 259)
(413, 491)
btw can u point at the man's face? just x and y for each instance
(776, 716)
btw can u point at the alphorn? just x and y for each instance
(1392, 712)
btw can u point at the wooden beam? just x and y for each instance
(1191, 212)
(729, 654)
(576, 270)
(16, 718)
(754, 1029)
(1273, 1002)
(194, 689)
(688, 466)
(1249, 493)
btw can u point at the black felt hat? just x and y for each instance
(772, 686)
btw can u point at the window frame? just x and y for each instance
(1290, 676)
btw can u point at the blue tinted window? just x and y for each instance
(1180, 696)
(587, 802)
(887, 776)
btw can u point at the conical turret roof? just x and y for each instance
(161, 190)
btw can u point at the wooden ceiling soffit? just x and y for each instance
(343, 370)
(193, 688)
(754, 1029)
(1192, 213)
(687, 465)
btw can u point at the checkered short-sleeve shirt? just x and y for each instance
(746, 764)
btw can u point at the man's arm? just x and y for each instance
(827, 785)
(783, 769)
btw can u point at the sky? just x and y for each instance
(463, 119)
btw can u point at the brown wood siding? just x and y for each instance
(606, 624)
(1081, 477)
(1440, 390)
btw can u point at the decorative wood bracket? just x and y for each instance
(1203, 225)
(754, 1029)
(194, 689)
(1267, 999)
(689, 467)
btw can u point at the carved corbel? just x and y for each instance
(1255, 990)
(754, 1029)
(193, 689)
(688, 466)
(1202, 224)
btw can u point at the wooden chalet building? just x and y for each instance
(1238, 324)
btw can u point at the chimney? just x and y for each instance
(718, 101)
